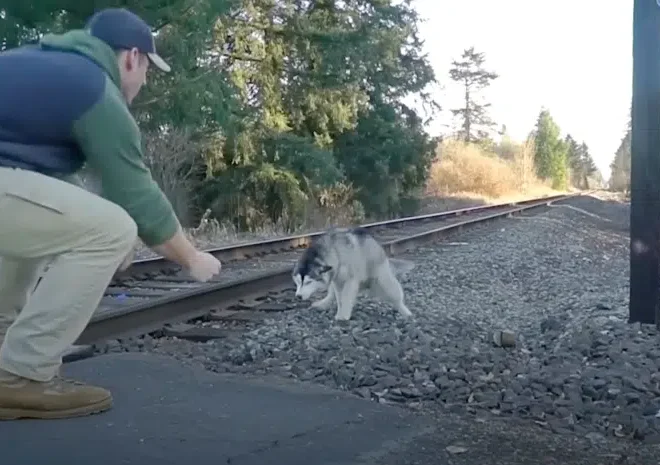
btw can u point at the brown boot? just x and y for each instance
(58, 398)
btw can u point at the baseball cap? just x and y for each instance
(123, 29)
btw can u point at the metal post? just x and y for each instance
(645, 168)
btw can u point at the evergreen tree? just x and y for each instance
(582, 167)
(621, 164)
(469, 71)
(550, 157)
(587, 167)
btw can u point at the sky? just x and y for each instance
(573, 57)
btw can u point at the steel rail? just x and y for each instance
(246, 250)
(187, 305)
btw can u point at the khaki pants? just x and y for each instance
(18, 279)
(81, 238)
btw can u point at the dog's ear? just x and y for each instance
(325, 269)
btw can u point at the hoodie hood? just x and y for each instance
(80, 41)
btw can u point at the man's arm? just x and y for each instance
(110, 139)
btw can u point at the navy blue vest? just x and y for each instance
(42, 93)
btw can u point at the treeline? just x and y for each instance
(562, 162)
(281, 106)
(620, 166)
(283, 111)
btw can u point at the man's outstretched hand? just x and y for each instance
(204, 266)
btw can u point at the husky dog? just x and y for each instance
(344, 262)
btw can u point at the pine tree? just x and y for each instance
(582, 167)
(620, 166)
(588, 168)
(550, 157)
(469, 71)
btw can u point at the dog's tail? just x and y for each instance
(401, 266)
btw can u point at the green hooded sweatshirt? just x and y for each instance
(110, 139)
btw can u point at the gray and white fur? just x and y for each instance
(344, 262)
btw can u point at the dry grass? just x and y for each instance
(467, 171)
(175, 163)
(210, 233)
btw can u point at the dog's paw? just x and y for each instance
(321, 305)
(340, 317)
(405, 313)
(401, 267)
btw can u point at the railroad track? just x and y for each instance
(154, 292)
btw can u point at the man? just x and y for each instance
(65, 103)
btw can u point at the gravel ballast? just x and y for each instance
(557, 281)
